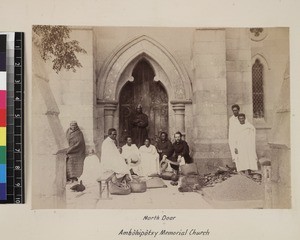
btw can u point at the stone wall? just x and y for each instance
(210, 98)
(280, 144)
(75, 92)
(108, 41)
(214, 79)
(58, 99)
(238, 70)
(271, 48)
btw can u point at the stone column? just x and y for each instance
(210, 99)
(109, 113)
(179, 112)
(239, 70)
(279, 141)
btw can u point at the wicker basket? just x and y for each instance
(119, 189)
(138, 187)
(166, 175)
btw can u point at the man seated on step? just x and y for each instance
(181, 151)
(180, 157)
(149, 159)
(131, 154)
(112, 161)
(164, 146)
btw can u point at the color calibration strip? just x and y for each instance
(3, 87)
(14, 105)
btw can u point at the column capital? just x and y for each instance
(179, 106)
(109, 107)
(107, 102)
(178, 102)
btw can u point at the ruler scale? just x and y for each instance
(3, 121)
(15, 119)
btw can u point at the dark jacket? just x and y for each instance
(166, 147)
(139, 133)
(182, 148)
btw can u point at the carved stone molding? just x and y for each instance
(258, 34)
(110, 108)
(179, 112)
(162, 61)
(109, 113)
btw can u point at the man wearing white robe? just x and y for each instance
(233, 133)
(131, 154)
(245, 149)
(91, 170)
(149, 159)
(111, 158)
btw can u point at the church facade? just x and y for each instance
(186, 79)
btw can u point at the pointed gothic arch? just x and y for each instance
(162, 61)
(117, 71)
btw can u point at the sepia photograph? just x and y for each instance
(160, 118)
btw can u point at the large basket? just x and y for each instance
(166, 175)
(138, 187)
(119, 189)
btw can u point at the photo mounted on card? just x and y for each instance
(160, 118)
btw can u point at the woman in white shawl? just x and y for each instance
(149, 159)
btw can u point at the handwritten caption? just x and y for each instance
(139, 232)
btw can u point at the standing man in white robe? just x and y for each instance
(111, 158)
(245, 149)
(149, 159)
(234, 124)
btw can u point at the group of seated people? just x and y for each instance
(143, 161)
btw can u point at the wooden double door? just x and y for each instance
(151, 95)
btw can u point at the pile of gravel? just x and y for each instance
(236, 188)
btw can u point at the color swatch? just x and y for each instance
(12, 118)
(3, 116)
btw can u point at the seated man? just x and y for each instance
(181, 151)
(131, 154)
(149, 159)
(111, 158)
(164, 146)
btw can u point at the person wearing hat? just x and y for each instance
(139, 122)
(75, 152)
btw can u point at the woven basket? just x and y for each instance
(138, 187)
(166, 175)
(117, 189)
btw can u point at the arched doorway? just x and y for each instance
(117, 73)
(153, 97)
